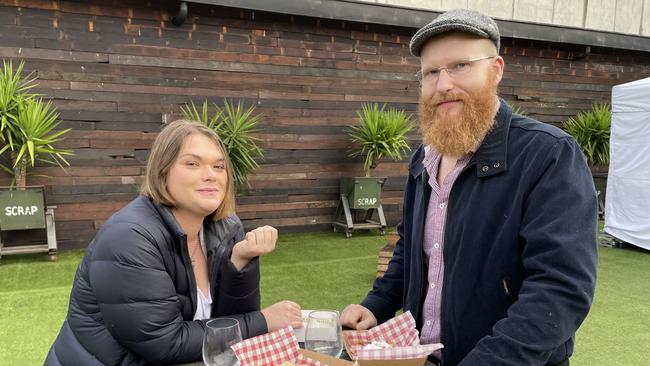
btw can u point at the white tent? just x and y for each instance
(627, 202)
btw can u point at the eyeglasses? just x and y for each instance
(454, 70)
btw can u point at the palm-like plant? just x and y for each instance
(591, 130)
(518, 110)
(29, 125)
(382, 133)
(13, 88)
(236, 126)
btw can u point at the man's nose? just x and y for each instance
(444, 82)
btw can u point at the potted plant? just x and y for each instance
(591, 130)
(28, 132)
(236, 126)
(381, 133)
(516, 109)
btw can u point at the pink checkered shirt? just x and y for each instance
(434, 229)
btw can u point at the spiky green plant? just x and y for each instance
(591, 130)
(236, 125)
(382, 133)
(190, 113)
(29, 125)
(518, 110)
(14, 87)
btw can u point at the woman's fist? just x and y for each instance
(257, 242)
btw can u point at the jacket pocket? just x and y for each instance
(506, 286)
(509, 288)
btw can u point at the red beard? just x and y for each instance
(459, 135)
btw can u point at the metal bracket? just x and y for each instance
(581, 55)
(182, 15)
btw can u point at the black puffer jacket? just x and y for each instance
(134, 293)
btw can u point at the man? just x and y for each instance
(497, 254)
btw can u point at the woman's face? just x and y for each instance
(197, 179)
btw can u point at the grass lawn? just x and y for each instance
(324, 270)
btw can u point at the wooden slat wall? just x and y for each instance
(116, 69)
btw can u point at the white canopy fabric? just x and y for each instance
(627, 202)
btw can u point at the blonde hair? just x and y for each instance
(163, 154)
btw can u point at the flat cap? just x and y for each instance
(459, 20)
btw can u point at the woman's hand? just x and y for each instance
(257, 242)
(282, 314)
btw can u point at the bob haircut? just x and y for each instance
(163, 154)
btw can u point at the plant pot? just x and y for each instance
(599, 175)
(360, 197)
(362, 192)
(22, 209)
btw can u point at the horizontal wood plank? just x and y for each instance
(118, 71)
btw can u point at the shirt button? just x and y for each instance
(436, 245)
(433, 285)
(442, 205)
(428, 322)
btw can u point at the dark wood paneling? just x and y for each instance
(117, 70)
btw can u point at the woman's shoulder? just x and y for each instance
(139, 212)
(137, 222)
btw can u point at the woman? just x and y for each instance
(172, 258)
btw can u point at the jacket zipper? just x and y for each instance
(189, 271)
(214, 255)
(444, 250)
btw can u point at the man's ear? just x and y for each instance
(499, 65)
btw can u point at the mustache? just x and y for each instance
(447, 97)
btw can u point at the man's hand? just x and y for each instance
(358, 317)
(282, 314)
(257, 242)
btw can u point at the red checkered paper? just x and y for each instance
(399, 332)
(272, 349)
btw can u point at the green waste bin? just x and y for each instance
(22, 209)
(362, 193)
(25, 209)
(359, 196)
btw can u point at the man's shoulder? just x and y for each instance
(530, 127)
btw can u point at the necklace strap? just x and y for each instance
(195, 249)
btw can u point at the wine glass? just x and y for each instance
(323, 333)
(219, 335)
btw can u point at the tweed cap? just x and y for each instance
(459, 20)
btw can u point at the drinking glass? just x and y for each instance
(323, 333)
(219, 335)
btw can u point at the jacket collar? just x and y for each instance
(214, 231)
(491, 156)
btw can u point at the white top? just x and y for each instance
(203, 303)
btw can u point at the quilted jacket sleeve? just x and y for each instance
(137, 297)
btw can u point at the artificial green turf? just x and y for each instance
(617, 329)
(325, 270)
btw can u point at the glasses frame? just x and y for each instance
(420, 77)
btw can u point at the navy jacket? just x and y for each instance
(520, 249)
(134, 294)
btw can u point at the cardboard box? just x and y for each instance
(401, 362)
(329, 360)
